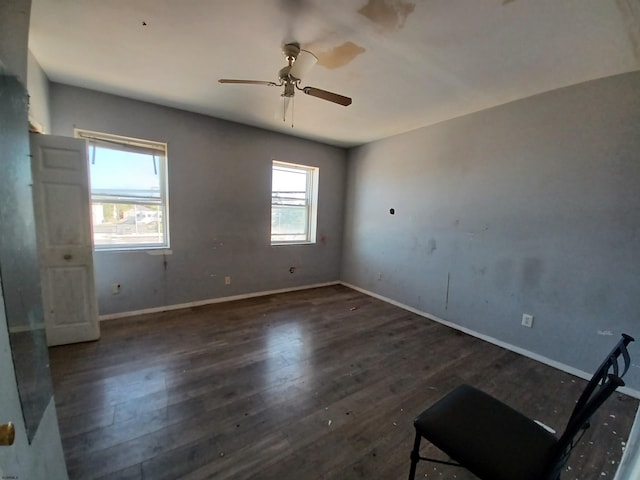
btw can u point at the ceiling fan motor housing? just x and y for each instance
(291, 51)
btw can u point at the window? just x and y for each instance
(129, 201)
(294, 198)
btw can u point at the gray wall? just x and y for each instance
(530, 207)
(38, 87)
(220, 205)
(14, 35)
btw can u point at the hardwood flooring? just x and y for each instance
(314, 384)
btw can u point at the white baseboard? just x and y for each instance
(26, 328)
(210, 301)
(534, 356)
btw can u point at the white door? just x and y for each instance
(63, 225)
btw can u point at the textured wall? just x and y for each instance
(530, 207)
(220, 205)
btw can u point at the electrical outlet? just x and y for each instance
(379, 276)
(527, 320)
(227, 280)
(115, 288)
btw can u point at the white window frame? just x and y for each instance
(311, 201)
(129, 144)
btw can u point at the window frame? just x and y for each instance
(133, 145)
(311, 201)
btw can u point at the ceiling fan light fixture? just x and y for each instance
(303, 63)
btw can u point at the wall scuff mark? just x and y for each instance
(388, 15)
(446, 301)
(432, 246)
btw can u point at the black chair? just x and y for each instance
(495, 442)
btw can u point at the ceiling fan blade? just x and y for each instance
(304, 62)
(330, 96)
(248, 82)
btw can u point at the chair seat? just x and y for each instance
(491, 439)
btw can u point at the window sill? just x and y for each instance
(147, 250)
(284, 244)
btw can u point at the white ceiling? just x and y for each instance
(405, 63)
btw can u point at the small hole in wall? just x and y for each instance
(392, 211)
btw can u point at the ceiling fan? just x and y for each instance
(299, 62)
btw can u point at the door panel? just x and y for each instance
(63, 219)
(63, 230)
(70, 280)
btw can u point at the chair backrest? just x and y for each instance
(604, 382)
(610, 365)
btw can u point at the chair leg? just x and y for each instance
(415, 456)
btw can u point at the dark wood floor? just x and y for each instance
(316, 384)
